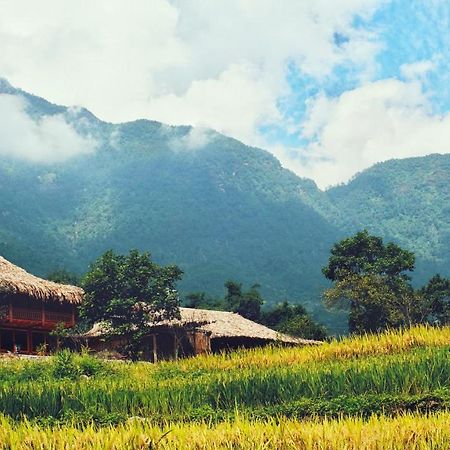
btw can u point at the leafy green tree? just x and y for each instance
(63, 276)
(436, 294)
(364, 254)
(371, 278)
(200, 300)
(293, 320)
(127, 293)
(233, 296)
(303, 327)
(247, 304)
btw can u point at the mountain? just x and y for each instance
(216, 207)
(407, 201)
(219, 209)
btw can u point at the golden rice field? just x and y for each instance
(388, 391)
(380, 433)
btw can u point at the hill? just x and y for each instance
(219, 209)
(216, 207)
(406, 201)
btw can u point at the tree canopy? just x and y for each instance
(127, 293)
(364, 254)
(437, 295)
(371, 277)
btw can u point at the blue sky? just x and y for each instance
(329, 87)
(409, 31)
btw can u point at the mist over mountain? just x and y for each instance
(72, 186)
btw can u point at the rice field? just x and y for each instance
(381, 433)
(367, 392)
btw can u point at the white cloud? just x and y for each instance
(418, 69)
(220, 64)
(195, 139)
(375, 122)
(48, 139)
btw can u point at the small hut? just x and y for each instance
(197, 331)
(30, 308)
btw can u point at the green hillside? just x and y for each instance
(407, 201)
(222, 210)
(216, 207)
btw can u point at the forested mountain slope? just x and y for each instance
(216, 207)
(219, 209)
(405, 200)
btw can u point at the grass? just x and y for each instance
(354, 384)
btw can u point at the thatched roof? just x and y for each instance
(16, 281)
(219, 324)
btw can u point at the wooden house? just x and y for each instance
(197, 331)
(30, 308)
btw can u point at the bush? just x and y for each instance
(67, 364)
(64, 365)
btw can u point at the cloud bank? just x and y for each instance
(243, 68)
(375, 122)
(220, 64)
(46, 140)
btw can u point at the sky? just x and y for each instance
(329, 87)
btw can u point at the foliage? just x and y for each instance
(371, 278)
(200, 300)
(127, 293)
(247, 304)
(62, 276)
(364, 254)
(293, 320)
(437, 296)
(61, 333)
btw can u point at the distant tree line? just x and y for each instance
(286, 318)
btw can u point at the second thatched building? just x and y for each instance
(197, 331)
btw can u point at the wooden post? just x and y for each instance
(42, 314)
(10, 312)
(29, 342)
(175, 346)
(155, 353)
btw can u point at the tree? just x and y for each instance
(62, 276)
(128, 293)
(363, 254)
(436, 294)
(200, 300)
(247, 304)
(293, 320)
(371, 278)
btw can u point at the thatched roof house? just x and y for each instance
(30, 308)
(224, 324)
(205, 330)
(17, 281)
